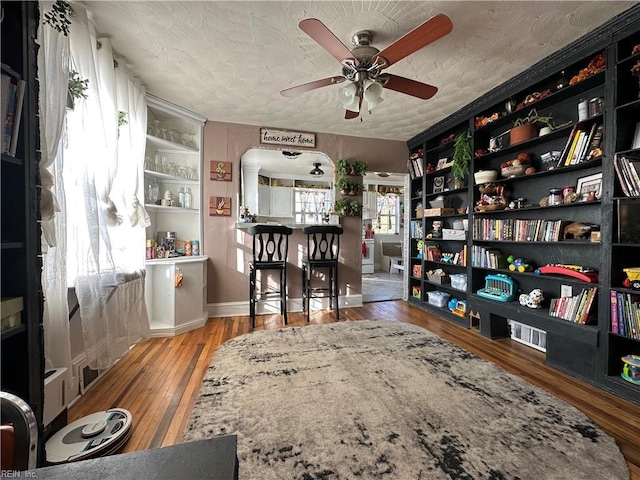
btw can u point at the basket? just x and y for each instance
(439, 279)
(440, 202)
(513, 171)
(459, 281)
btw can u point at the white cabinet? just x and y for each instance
(281, 202)
(173, 162)
(369, 205)
(176, 308)
(264, 200)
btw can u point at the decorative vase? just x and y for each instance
(522, 133)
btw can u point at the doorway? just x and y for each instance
(383, 237)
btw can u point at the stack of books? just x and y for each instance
(625, 314)
(574, 309)
(415, 166)
(584, 143)
(12, 95)
(627, 173)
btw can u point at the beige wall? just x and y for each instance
(229, 248)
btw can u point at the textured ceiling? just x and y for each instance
(229, 60)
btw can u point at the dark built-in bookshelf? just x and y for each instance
(575, 208)
(22, 344)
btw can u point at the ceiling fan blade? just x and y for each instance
(410, 87)
(348, 114)
(327, 40)
(290, 92)
(421, 36)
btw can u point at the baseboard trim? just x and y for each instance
(167, 331)
(237, 309)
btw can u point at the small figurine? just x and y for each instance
(576, 230)
(420, 247)
(533, 299)
(518, 264)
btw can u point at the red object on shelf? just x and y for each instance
(584, 275)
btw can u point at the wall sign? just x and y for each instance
(220, 171)
(282, 137)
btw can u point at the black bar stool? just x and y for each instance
(323, 248)
(270, 250)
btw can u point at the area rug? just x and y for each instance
(385, 400)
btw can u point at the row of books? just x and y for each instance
(431, 252)
(518, 230)
(415, 165)
(12, 90)
(583, 144)
(625, 314)
(575, 309)
(627, 174)
(485, 257)
(415, 229)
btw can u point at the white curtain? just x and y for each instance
(53, 65)
(106, 249)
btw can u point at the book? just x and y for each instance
(617, 160)
(584, 315)
(565, 150)
(614, 312)
(574, 142)
(581, 157)
(636, 137)
(17, 117)
(625, 167)
(578, 148)
(595, 143)
(8, 119)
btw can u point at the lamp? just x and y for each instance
(372, 93)
(349, 97)
(316, 171)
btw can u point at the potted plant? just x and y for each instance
(354, 208)
(360, 168)
(342, 185)
(461, 157)
(526, 128)
(342, 167)
(341, 206)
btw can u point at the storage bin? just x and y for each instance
(439, 279)
(459, 281)
(438, 299)
(451, 234)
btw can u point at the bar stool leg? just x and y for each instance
(337, 292)
(308, 287)
(252, 296)
(283, 293)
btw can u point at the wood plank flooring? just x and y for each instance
(158, 381)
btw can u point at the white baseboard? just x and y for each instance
(235, 309)
(158, 331)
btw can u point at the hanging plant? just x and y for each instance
(57, 18)
(77, 86)
(461, 157)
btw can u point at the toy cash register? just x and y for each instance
(498, 287)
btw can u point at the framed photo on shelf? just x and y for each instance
(442, 163)
(588, 184)
(438, 184)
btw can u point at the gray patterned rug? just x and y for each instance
(386, 400)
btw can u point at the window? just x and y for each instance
(388, 218)
(311, 204)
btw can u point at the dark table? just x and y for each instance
(214, 458)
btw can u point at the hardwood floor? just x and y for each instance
(158, 381)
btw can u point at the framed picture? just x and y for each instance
(438, 184)
(220, 206)
(442, 163)
(586, 185)
(220, 171)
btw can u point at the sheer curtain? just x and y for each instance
(53, 65)
(102, 172)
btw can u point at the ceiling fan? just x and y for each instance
(363, 65)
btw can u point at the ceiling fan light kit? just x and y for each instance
(363, 64)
